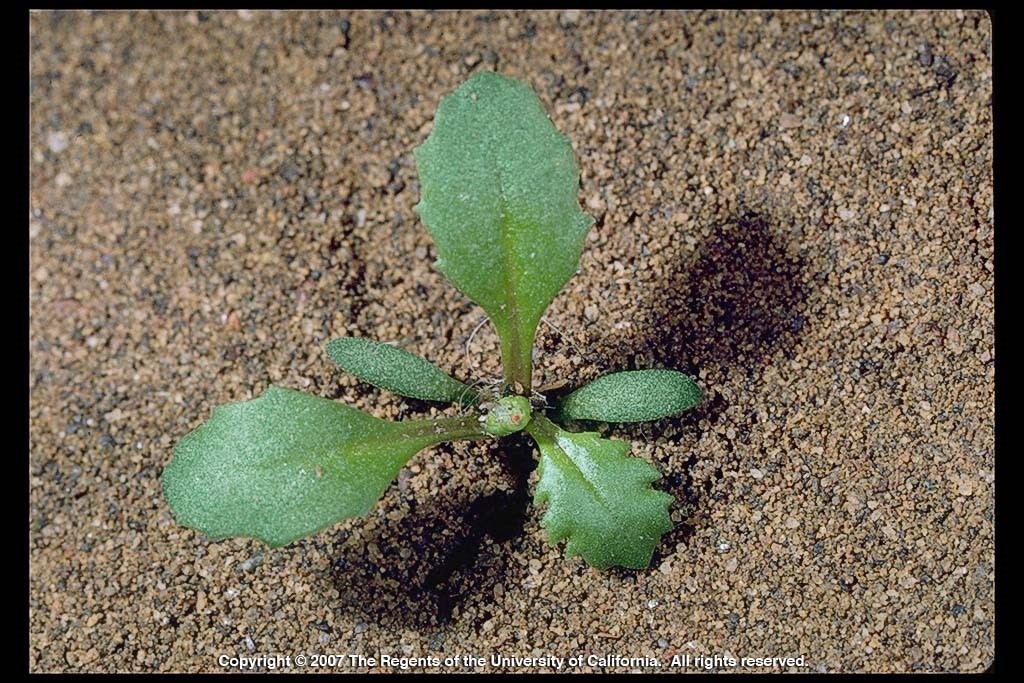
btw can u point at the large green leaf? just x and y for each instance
(287, 464)
(394, 369)
(631, 396)
(499, 186)
(599, 499)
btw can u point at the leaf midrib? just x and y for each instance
(511, 278)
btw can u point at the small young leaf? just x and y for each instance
(599, 498)
(499, 185)
(508, 415)
(631, 396)
(287, 464)
(394, 369)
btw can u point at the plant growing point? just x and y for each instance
(509, 415)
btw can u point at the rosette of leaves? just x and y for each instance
(499, 187)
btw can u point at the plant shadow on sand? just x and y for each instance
(735, 306)
(730, 311)
(444, 542)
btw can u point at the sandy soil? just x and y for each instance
(794, 207)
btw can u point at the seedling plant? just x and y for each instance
(498, 196)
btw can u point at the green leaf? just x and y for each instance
(499, 186)
(599, 498)
(287, 464)
(394, 369)
(632, 396)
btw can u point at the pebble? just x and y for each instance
(57, 141)
(790, 121)
(251, 563)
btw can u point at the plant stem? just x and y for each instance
(517, 363)
(541, 427)
(448, 429)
